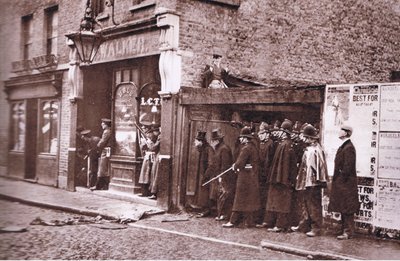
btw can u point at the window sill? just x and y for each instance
(144, 5)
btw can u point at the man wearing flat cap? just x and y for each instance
(344, 194)
(104, 147)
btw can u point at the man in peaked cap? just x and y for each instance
(247, 195)
(104, 147)
(214, 74)
(344, 194)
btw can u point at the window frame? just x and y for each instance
(51, 30)
(26, 36)
(42, 148)
(15, 130)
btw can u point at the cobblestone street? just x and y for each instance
(90, 242)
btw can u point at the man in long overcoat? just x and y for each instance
(104, 147)
(92, 154)
(282, 180)
(266, 153)
(344, 194)
(202, 192)
(223, 161)
(247, 194)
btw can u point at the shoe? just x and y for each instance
(152, 197)
(203, 214)
(92, 188)
(294, 229)
(274, 229)
(344, 236)
(228, 225)
(311, 233)
(220, 218)
(263, 225)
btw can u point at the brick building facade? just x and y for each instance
(286, 51)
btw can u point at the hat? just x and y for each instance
(105, 120)
(310, 132)
(246, 132)
(216, 134)
(297, 127)
(287, 126)
(347, 128)
(201, 135)
(276, 125)
(85, 132)
(216, 56)
(145, 119)
(264, 127)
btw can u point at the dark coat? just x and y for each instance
(267, 152)
(104, 142)
(219, 160)
(282, 179)
(247, 195)
(202, 192)
(344, 194)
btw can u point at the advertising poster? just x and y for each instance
(390, 108)
(389, 155)
(387, 204)
(336, 112)
(363, 117)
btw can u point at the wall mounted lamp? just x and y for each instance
(87, 41)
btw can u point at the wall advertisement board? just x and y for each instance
(374, 113)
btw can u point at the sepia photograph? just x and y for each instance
(199, 130)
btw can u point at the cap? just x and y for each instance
(216, 134)
(145, 119)
(105, 120)
(347, 128)
(85, 132)
(246, 132)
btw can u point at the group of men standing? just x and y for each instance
(276, 179)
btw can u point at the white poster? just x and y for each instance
(389, 155)
(336, 112)
(390, 108)
(387, 204)
(363, 117)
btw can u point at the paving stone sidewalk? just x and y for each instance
(144, 212)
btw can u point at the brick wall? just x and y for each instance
(303, 42)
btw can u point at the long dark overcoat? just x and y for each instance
(224, 161)
(247, 196)
(104, 142)
(202, 192)
(282, 178)
(344, 194)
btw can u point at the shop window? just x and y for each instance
(125, 111)
(52, 30)
(27, 32)
(17, 141)
(48, 128)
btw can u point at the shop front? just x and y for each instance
(34, 129)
